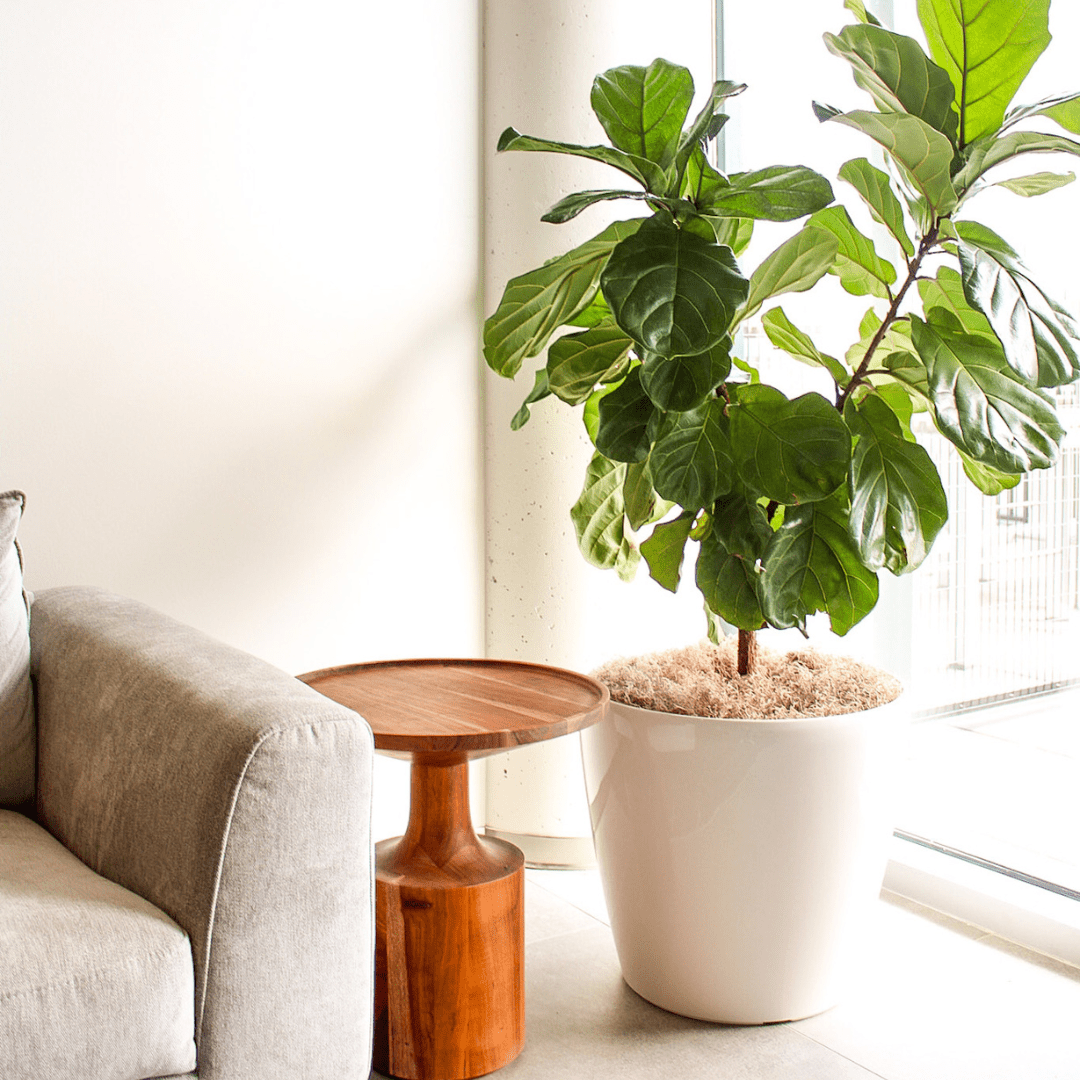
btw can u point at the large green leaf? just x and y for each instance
(898, 505)
(639, 497)
(858, 265)
(790, 451)
(590, 415)
(577, 362)
(986, 478)
(702, 182)
(598, 516)
(593, 314)
(1036, 183)
(691, 460)
(944, 300)
(726, 571)
(680, 383)
(1039, 338)
(645, 172)
(900, 403)
(539, 391)
(858, 9)
(536, 304)
(626, 416)
(987, 47)
(812, 565)
(908, 370)
(981, 406)
(784, 334)
(734, 233)
(672, 291)
(663, 551)
(897, 74)
(1064, 109)
(729, 583)
(643, 109)
(572, 205)
(778, 193)
(897, 338)
(990, 151)
(874, 187)
(707, 124)
(796, 265)
(922, 152)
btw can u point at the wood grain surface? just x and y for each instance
(449, 930)
(473, 706)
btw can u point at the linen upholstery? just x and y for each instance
(234, 798)
(16, 699)
(95, 981)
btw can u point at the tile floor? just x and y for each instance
(934, 999)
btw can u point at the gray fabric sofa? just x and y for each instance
(190, 893)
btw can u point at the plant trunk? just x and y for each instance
(747, 652)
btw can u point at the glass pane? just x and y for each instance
(987, 633)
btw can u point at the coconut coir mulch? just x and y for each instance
(703, 680)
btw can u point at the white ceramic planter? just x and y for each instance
(740, 858)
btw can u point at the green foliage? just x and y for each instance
(626, 418)
(897, 74)
(987, 48)
(794, 505)
(873, 186)
(673, 292)
(898, 505)
(643, 109)
(812, 565)
(536, 304)
(664, 550)
(923, 153)
(577, 362)
(798, 264)
(779, 193)
(691, 458)
(789, 452)
(857, 264)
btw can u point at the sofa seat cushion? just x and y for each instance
(95, 981)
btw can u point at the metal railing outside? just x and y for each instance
(997, 604)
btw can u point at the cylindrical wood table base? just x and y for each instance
(449, 944)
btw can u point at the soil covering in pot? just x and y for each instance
(703, 680)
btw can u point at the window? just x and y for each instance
(987, 632)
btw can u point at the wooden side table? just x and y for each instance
(450, 950)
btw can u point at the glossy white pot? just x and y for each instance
(740, 858)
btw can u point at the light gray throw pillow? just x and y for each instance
(17, 740)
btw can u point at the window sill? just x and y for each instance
(1015, 910)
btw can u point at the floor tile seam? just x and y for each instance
(532, 942)
(532, 938)
(845, 1057)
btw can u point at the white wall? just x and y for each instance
(544, 602)
(238, 280)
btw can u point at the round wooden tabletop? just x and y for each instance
(472, 707)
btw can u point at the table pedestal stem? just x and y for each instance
(450, 951)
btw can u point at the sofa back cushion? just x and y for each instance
(17, 737)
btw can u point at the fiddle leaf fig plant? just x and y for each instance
(797, 503)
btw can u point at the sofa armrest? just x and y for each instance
(237, 800)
